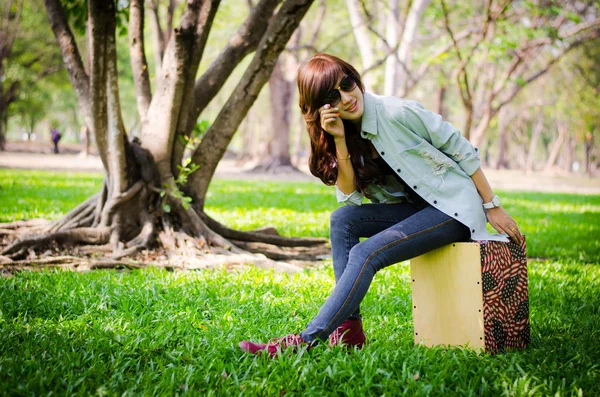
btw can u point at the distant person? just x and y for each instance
(422, 176)
(55, 138)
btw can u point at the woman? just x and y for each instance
(423, 178)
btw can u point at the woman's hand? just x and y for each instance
(331, 121)
(503, 223)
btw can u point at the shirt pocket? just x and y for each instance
(431, 165)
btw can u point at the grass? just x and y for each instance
(557, 225)
(154, 332)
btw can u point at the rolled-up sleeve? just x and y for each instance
(354, 198)
(441, 134)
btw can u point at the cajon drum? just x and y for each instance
(472, 294)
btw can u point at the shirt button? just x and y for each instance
(434, 201)
(398, 170)
(382, 153)
(473, 231)
(456, 214)
(415, 187)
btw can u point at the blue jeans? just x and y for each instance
(396, 232)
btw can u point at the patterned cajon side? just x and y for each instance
(472, 294)
(505, 295)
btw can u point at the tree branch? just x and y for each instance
(137, 53)
(216, 139)
(98, 86)
(209, 84)
(465, 92)
(241, 44)
(157, 36)
(170, 12)
(70, 54)
(203, 26)
(180, 64)
(17, 20)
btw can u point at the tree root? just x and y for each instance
(37, 222)
(76, 214)
(229, 261)
(115, 202)
(87, 235)
(274, 168)
(66, 263)
(285, 253)
(124, 227)
(261, 236)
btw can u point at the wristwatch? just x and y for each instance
(492, 204)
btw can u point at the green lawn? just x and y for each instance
(155, 332)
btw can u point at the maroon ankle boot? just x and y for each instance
(350, 333)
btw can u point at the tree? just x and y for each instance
(275, 156)
(26, 57)
(149, 190)
(515, 43)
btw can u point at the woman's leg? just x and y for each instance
(349, 223)
(419, 233)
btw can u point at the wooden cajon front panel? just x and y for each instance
(447, 296)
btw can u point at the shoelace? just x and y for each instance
(287, 340)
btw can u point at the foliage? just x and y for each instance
(156, 332)
(175, 191)
(33, 65)
(192, 141)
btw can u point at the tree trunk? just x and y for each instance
(3, 108)
(158, 39)
(501, 156)
(556, 146)
(276, 157)
(299, 148)
(363, 41)
(142, 204)
(441, 97)
(248, 152)
(568, 153)
(538, 127)
(87, 140)
(3, 125)
(589, 149)
(403, 72)
(392, 36)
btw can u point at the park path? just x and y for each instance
(499, 179)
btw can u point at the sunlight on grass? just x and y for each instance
(556, 225)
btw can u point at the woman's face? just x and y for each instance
(351, 105)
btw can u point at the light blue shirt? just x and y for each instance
(429, 154)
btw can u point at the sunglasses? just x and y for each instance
(334, 96)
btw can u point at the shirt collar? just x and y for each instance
(369, 117)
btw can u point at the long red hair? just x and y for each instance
(315, 79)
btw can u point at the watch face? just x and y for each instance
(496, 201)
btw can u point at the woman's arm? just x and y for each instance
(345, 178)
(497, 217)
(333, 125)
